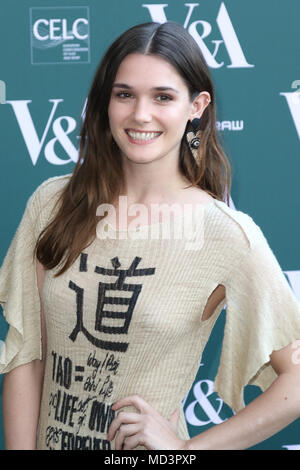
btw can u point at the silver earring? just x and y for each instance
(193, 139)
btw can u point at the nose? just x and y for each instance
(141, 111)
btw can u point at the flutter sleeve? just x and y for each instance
(19, 297)
(262, 316)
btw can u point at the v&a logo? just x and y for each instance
(229, 37)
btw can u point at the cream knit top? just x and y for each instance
(126, 317)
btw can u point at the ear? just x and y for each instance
(199, 104)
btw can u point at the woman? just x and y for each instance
(108, 322)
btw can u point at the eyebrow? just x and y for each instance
(157, 88)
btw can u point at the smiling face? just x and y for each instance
(149, 109)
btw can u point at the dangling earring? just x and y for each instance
(193, 139)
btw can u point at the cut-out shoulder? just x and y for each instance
(214, 300)
(40, 271)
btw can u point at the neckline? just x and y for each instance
(158, 224)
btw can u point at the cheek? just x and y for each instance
(176, 118)
(116, 114)
(178, 127)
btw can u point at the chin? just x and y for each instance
(141, 159)
(140, 156)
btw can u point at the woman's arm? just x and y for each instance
(22, 388)
(22, 391)
(265, 416)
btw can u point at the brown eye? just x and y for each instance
(123, 95)
(164, 98)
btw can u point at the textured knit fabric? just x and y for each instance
(126, 318)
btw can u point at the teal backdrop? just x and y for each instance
(49, 53)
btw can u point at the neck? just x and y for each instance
(145, 184)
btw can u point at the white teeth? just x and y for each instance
(143, 135)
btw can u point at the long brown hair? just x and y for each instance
(98, 177)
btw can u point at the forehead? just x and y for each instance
(148, 70)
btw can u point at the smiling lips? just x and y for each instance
(142, 137)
